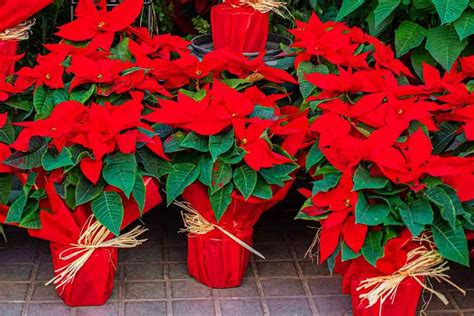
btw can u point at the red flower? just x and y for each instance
(161, 45)
(258, 153)
(6, 89)
(48, 71)
(100, 25)
(464, 115)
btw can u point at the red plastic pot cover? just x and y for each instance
(13, 12)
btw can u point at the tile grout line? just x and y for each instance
(121, 289)
(31, 286)
(261, 294)
(166, 277)
(304, 282)
(217, 305)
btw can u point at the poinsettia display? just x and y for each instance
(387, 150)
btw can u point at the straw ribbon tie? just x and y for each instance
(17, 33)
(195, 223)
(265, 6)
(93, 236)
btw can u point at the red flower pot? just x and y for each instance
(93, 283)
(240, 28)
(8, 49)
(405, 302)
(216, 260)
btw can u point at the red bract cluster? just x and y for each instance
(372, 117)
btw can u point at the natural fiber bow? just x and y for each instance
(17, 33)
(422, 262)
(195, 223)
(93, 236)
(265, 6)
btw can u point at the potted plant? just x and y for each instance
(388, 158)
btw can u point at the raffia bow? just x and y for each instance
(422, 262)
(18, 33)
(93, 236)
(265, 6)
(195, 223)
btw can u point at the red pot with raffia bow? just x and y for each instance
(74, 246)
(239, 26)
(218, 256)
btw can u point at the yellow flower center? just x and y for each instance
(47, 76)
(101, 25)
(100, 76)
(347, 202)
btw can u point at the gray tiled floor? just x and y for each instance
(153, 280)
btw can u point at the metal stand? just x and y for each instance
(147, 7)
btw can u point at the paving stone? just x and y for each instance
(13, 292)
(45, 272)
(145, 308)
(109, 309)
(273, 252)
(48, 309)
(282, 287)
(187, 289)
(301, 250)
(262, 235)
(289, 307)
(44, 293)
(325, 285)
(239, 307)
(248, 288)
(333, 305)
(11, 309)
(310, 268)
(8, 256)
(466, 301)
(435, 303)
(177, 253)
(148, 253)
(178, 271)
(193, 308)
(301, 235)
(146, 290)
(15, 272)
(143, 272)
(18, 239)
(269, 269)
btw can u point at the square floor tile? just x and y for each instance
(273, 251)
(193, 308)
(187, 289)
(143, 272)
(310, 268)
(109, 309)
(178, 271)
(147, 290)
(45, 272)
(270, 269)
(325, 285)
(177, 253)
(48, 309)
(464, 301)
(289, 306)
(282, 287)
(144, 253)
(11, 309)
(17, 256)
(248, 288)
(15, 272)
(13, 292)
(42, 292)
(332, 305)
(240, 307)
(145, 308)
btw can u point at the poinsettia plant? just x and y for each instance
(385, 151)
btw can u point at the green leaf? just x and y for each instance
(31, 159)
(450, 10)
(245, 179)
(347, 253)
(86, 191)
(31, 218)
(373, 249)
(314, 156)
(120, 170)
(139, 193)
(264, 113)
(221, 200)
(328, 182)
(348, 6)
(153, 165)
(195, 141)
(442, 138)
(306, 68)
(221, 143)
(234, 156)
(5, 187)
(383, 10)
(363, 180)
(416, 215)
(121, 51)
(172, 143)
(409, 35)
(59, 96)
(464, 26)
(262, 189)
(205, 166)
(420, 56)
(422, 4)
(51, 160)
(451, 242)
(444, 45)
(17, 208)
(367, 214)
(108, 209)
(278, 174)
(7, 134)
(221, 175)
(82, 95)
(448, 202)
(183, 175)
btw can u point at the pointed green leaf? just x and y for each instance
(139, 193)
(367, 214)
(444, 45)
(416, 215)
(373, 249)
(245, 179)
(464, 26)
(31, 159)
(409, 35)
(347, 253)
(450, 10)
(120, 171)
(314, 156)
(306, 68)
(205, 165)
(182, 176)
(82, 95)
(195, 141)
(447, 201)
(221, 143)
(52, 160)
(221, 200)
(5, 187)
(86, 191)
(363, 180)
(220, 176)
(383, 10)
(108, 209)
(328, 182)
(278, 174)
(348, 6)
(7, 134)
(153, 165)
(451, 243)
(262, 189)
